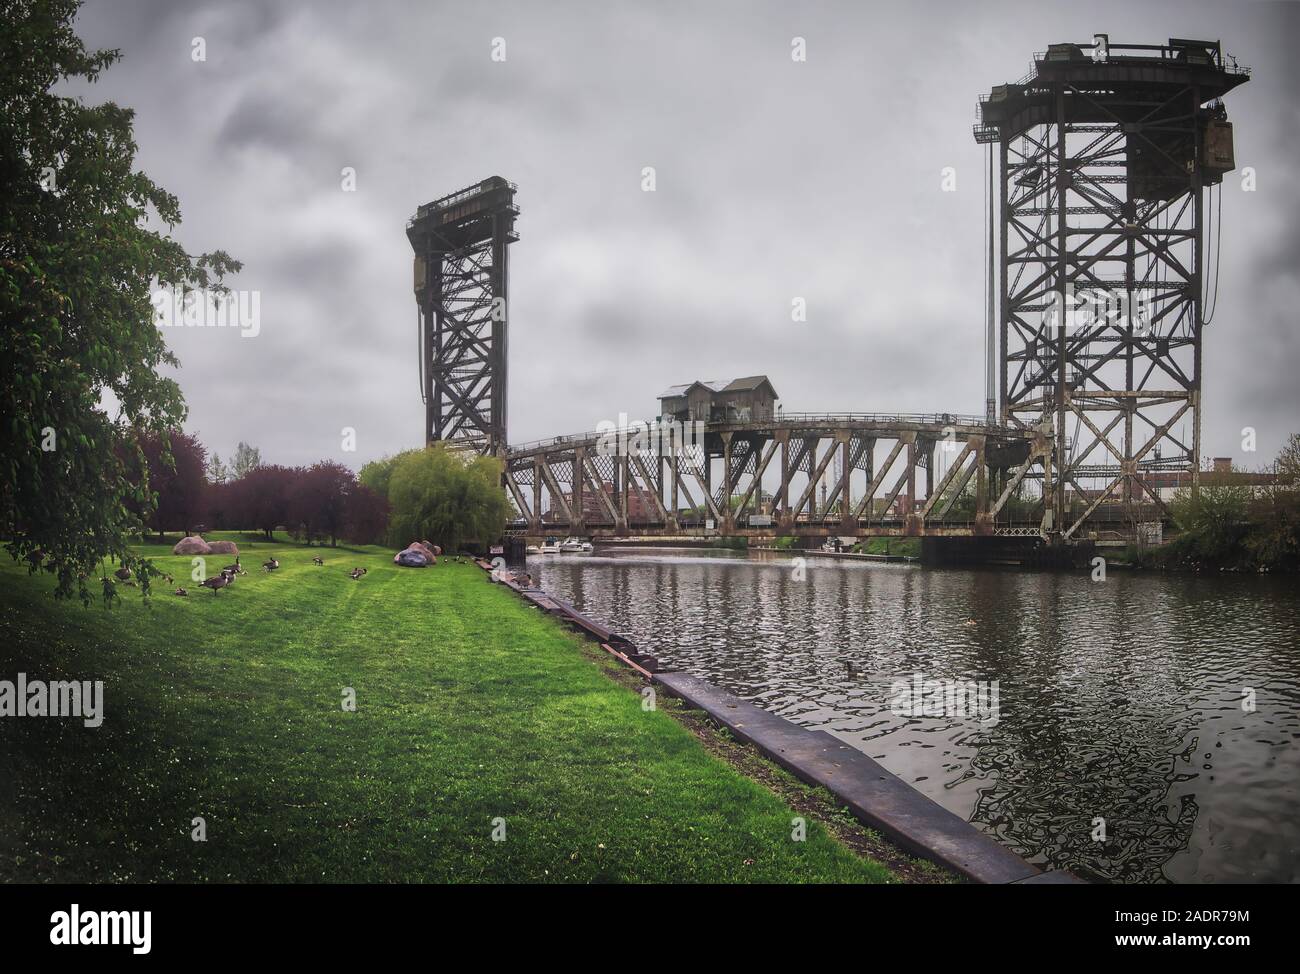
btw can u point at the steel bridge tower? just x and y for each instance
(1104, 153)
(460, 243)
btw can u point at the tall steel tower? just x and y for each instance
(1105, 153)
(460, 244)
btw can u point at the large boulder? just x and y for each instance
(428, 550)
(223, 547)
(411, 558)
(193, 545)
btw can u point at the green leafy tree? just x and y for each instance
(1274, 539)
(247, 459)
(446, 497)
(216, 471)
(377, 473)
(1213, 518)
(1288, 463)
(84, 239)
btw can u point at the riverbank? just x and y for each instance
(1088, 717)
(473, 713)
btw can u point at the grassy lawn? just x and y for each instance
(909, 547)
(470, 707)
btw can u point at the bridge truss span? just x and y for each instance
(803, 475)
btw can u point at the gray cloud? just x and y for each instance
(775, 180)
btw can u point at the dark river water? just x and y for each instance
(1121, 704)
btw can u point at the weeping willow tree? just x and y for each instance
(445, 496)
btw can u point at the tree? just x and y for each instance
(217, 471)
(78, 265)
(1288, 463)
(1274, 539)
(219, 506)
(366, 519)
(260, 499)
(247, 459)
(317, 500)
(1213, 518)
(173, 476)
(377, 473)
(442, 495)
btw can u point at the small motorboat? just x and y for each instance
(532, 549)
(550, 547)
(570, 546)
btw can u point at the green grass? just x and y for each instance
(908, 547)
(470, 707)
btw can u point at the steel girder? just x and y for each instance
(461, 285)
(762, 480)
(1101, 290)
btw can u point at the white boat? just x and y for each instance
(551, 547)
(571, 546)
(532, 549)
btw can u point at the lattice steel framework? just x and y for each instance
(1104, 153)
(571, 485)
(460, 244)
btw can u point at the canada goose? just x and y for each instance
(357, 572)
(235, 569)
(180, 591)
(216, 582)
(123, 574)
(318, 560)
(168, 578)
(271, 565)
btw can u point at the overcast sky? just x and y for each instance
(775, 179)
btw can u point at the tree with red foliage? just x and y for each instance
(260, 498)
(174, 473)
(318, 500)
(366, 516)
(218, 505)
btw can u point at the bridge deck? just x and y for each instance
(804, 474)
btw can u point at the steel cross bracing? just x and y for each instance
(460, 244)
(1101, 269)
(883, 477)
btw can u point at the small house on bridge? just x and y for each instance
(746, 400)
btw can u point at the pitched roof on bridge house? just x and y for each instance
(750, 397)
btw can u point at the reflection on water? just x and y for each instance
(1119, 700)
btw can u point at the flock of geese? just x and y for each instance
(226, 577)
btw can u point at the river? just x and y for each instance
(1146, 726)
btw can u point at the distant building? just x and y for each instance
(640, 506)
(751, 399)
